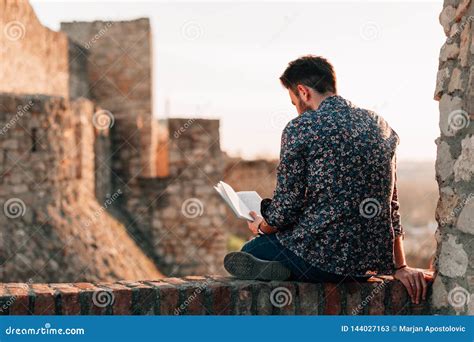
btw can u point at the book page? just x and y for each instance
(250, 201)
(236, 204)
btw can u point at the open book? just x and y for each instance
(241, 202)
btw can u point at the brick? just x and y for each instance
(283, 297)
(167, 298)
(20, 303)
(89, 295)
(44, 299)
(332, 299)
(309, 298)
(143, 297)
(5, 300)
(220, 296)
(399, 300)
(67, 299)
(243, 293)
(122, 298)
(354, 304)
(192, 298)
(377, 298)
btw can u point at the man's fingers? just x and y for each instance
(407, 285)
(419, 287)
(423, 284)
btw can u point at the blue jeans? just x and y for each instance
(267, 247)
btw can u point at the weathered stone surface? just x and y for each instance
(455, 83)
(466, 37)
(449, 108)
(26, 45)
(440, 295)
(444, 161)
(462, 8)
(466, 218)
(441, 78)
(447, 17)
(453, 260)
(464, 165)
(449, 51)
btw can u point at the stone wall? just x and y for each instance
(33, 58)
(209, 296)
(119, 65)
(180, 218)
(454, 286)
(52, 228)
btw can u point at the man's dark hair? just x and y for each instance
(312, 71)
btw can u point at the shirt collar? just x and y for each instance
(331, 101)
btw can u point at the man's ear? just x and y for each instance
(303, 92)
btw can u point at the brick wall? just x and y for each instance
(26, 45)
(208, 296)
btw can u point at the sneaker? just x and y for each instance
(245, 266)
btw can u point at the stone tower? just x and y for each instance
(453, 290)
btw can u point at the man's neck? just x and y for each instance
(320, 98)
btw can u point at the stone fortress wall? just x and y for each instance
(93, 187)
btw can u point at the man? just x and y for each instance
(334, 213)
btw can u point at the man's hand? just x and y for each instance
(415, 282)
(253, 226)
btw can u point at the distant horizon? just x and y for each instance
(209, 63)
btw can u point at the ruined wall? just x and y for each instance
(162, 167)
(52, 228)
(179, 219)
(454, 287)
(33, 58)
(119, 71)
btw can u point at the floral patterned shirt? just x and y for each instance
(335, 204)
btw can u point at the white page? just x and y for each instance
(220, 190)
(239, 206)
(251, 200)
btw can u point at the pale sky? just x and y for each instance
(223, 60)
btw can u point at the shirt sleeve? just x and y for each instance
(284, 209)
(395, 208)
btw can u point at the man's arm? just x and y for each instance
(412, 278)
(283, 210)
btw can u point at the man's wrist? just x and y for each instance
(398, 268)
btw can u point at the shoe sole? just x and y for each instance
(245, 266)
